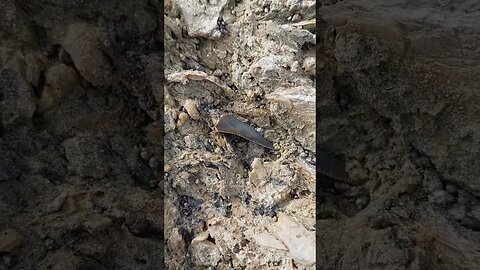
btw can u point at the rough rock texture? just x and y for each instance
(399, 103)
(80, 135)
(237, 203)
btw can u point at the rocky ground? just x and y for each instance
(80, 135)
(230, 203)
(84, 135)
(399, 100)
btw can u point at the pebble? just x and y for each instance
(217, 72)
(362, 202)
(153, 163)
(182, 119)
(442, 197)
(309, 65)
(296, 18)
(192, 109)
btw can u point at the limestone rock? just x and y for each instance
(205, 253)
(84, 44)
(201, 17)
(298, 104)
(299, 241)
(270, 182)
(59, 82)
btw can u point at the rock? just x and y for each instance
(270, 71)
(432, 181)
(309, 65)
(10, 240)
(175, 245)
(57, 204)
(205, 253)
(153, 163)
(202, 236)
(362, 202)
(270, 182)
(299, 241)
(265, 239)
(201, 17)
(297, 113)
(192, 109)
(182, 119)
(441, 197)
(293, 37)
(60, 80)
(84, 44)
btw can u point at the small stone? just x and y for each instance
(432, 183)
(10, 240)
(153, 163)
(205, 253)
(217, 72)
(296, 18)
(442, 197)
(299, 241)
(192, 109)
(309, 65)
(266, 239)
(97, 224)
(84, 43)
(57, 204)
(362, 202)
(182, 119)
(60, 81)
(167, 168)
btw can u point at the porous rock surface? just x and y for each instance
(237, 202)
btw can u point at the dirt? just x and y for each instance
(80, 135)
(400, 103)
(110, 159)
